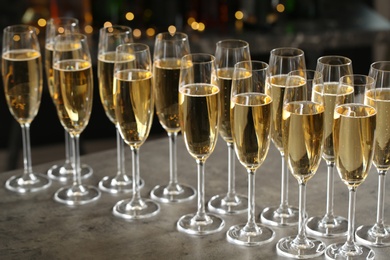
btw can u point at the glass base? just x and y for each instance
(259, 236)
(126, 209)
(310, 249)
(64, 173)
(367, 235)
(274, 216)
(221, 204)
(318, 226)
(336, 251)
(114, 185)
(28, 183)
(173, 193)
(190, 224)
(77, 195)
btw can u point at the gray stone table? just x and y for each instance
(34, 226)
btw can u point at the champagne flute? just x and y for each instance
(54, 27)
(168, 51)
(199, 121)
(109, 38)
(303, 129)
(134, 108)
(332, 69)
(22, 78)
(250, 126)
(378, 235)
(227, 54)
(353, 138)
(282, 61)
(73, 85)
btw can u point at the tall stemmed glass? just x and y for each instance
(168, 51)
(134, 108)
(227, 54)
(251, 125)
(199, 121)
(353, 138)
(281, 62)
(22, 78)
(332, 69)
(379, 234)
(110, 38)
(54, 27)
(303, 129)
(73, 84)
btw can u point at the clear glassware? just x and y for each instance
(282, 61)
(378, 235)
(199, 121)
(73, 84)
(332, 69)
(353, 137)
(134, 109)
(54, 27)
(303, 131)
(250, 112)
(110, 38)
(168, 50)
(227, 54)
(22, 79)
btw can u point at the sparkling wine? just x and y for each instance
(354, 130)
(22, 77)
(134, 105)
(251, 124)
(74, 90)
(225, 76)
(199, 118)
(166, 83)
(303, 125)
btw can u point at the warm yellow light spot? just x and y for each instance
(201, 27)
(88, 29)
(172, 29)
(129, 16)
(195, 26)
(190, 20)
(16, 38)
(41, 22)
(239, 15)
(107, 24)
(280, 8)
(150, 32)
(88, 17)
(61, 30)
(137, 33)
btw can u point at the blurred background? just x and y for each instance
(358, 29)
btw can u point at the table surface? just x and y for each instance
(34, 226)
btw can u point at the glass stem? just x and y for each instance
(26, 150)
(231, 172)
(120, 150)
(251, 224)
(68, 153)
(301, 237)
(172, 159)
(136, 201)
(201, 213)
(284, 183)
(330, 190)
(381, 202)
(76, 160)
(350, 243)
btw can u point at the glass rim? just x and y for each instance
(176, 36)
(137, 46)
(126, 29)
(347, 60)
(232, 44)
(251, 62)
(278, 52)
(199, 55)
(375, 66)
(368, 80)
(64, 18)
(20, 28)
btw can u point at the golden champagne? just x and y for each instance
(166, 83)
(49, 68)
(303, 125)
(225, 77)
(199, 118)
(134, 105)
(251, 124)
(74, 91)
(22, 77)
(380, 99)
(354, 130)
(329, 94)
